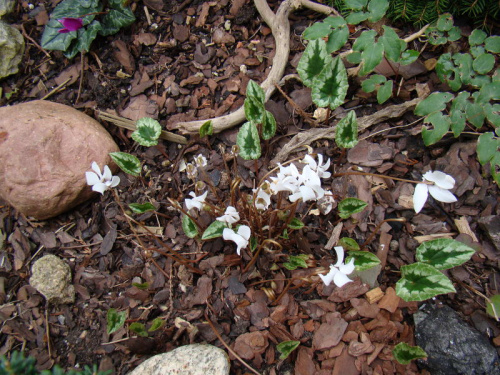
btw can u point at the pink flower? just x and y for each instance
(70, 24)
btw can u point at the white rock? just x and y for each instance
(51, 277)
(195, 359)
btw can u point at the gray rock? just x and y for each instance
(196, 359)
(6, 7)
(51, 277)
(45, 150)
(491, 226)
(453, 347)
(11, 49)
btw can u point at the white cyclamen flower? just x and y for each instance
(240, 238)
(320, 168)
(439, 191)
(310, 188)
(287, 179)
(200, 161)
(101, 182)
(262, 199)
(231, 216)
(339, 271)
(196, 201)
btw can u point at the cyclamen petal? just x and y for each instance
(240, 238)
(442, 195)
(328, 278)
(101, 182)
(92, 178)
(100, 187)
(441, 179)
(70, 24)
(420, 197)
(340, 279)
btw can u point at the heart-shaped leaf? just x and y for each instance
(138, 328)
(268, 126)
(248, 141)
(286, 347)
(330, 86)
(189, 227)
(346, 133)
(363, 260)
(444, 253)
(296, 261)
(128, 163)
(350, 206)
(115, 320)
(404, 353)
(147, 132)
(214, 230)
(253, 89)
(138, 208)
(313, 61)
(206, 129)
(420, 281)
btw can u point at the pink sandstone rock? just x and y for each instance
(45, 150)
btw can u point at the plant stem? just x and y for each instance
(381, 176)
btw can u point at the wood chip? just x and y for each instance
(374, 295)
(390, 301)
(464, 228)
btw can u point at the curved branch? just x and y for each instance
(280, 28)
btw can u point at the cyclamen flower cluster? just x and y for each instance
(305, 185)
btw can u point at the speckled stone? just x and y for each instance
(195, 359)
(51, 277)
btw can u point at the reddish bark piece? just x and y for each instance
(369, 154)
(364, 309)
(385, 333)
(181, 32)
(336, 350)
(248, 345)
(349, 291)
(219, 36)
(345, 365)
(140, 106)
(329, 334)
(192, 80)
(390, 301)
(124, 57)
(357, 348)
(304, 365)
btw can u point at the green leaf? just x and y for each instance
(346, 133)
(354, 57)
(253, 244)
(138, 208)
(490, 91)
(495, 167)
(370, 57)
(475, 114)
(493, 306)
(384, 92)
(286, 347)
(444, 253)
(317, 30)
(128, 163)
(350, 206)
(365, 40)
(268, 126)
(206, 129)
(408, 56)
(337, 39)
(189, 227)
(117, 17)
(492, 112)
(477, 37)
(214, 230)
(370, 84)
(487, 147)
(464, 63)
(330, 86)
(138, 328)
(404, 353)
(457, 113)
(296, 261)
(377, 9)
(253, 89)
(484, 63)
(356, 4)
(445, 22)
(433, 103)
(391, 43)
(454, 34)
(147, 132)
(492, 44)
(156, 324)
(313, 61)
(248, 141)
(349, 244)
(420, 281)
(295, 224)
(477, 51)
(254, 110)
(335, 21)
(363, 260)
(357, 17)
(141, 286)
(441, 125)
(115, 320)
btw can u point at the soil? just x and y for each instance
(152, 68)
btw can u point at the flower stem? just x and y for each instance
(381, 176)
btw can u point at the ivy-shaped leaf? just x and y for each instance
(214, 230)
(295, 224)
(206, 129)
(296, 261)
(330, 86)
(350, 206)
(128, 163)
(156, 324)
(147, 132)
(254, 110)
(349, 244)
(189, 227)
(404, 353)
(253, 89)
(138, 208)
(248, 141)
(118, 16)
(346, 133)
(138, 328)
(444, 253)
(268, 126)
(420, 281)
(313, 61)
(286, 347)
(363, 260)
(115, 320)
